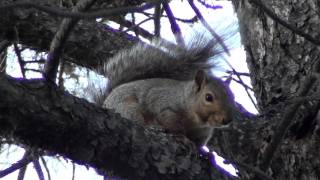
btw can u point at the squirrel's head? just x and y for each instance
(213, 103)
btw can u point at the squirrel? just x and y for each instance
(170, 86)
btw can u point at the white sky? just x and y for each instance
(219, 19)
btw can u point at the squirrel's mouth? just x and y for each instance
(217, 119)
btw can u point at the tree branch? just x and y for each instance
(103, 41)
(83, 15)
(206, 25)
(40, 115)
(45, 167)
(20, 59)
(174, 25)
(58, 42)
(144, 33)
(26, 159)
(38, 169)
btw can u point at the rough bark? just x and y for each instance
(277, 57)
(41, 116)
(89, 45)
(281, 62)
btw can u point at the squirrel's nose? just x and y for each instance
(217, 119)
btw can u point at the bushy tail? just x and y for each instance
(161, 59)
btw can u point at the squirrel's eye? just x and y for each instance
(209, 97)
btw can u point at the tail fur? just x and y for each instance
(162, 60)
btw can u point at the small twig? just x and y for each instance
(241, 82)
(157, 17)
(34, 70)
(209, 6)
(133, 22)
(82, 15)
(60, 77)
(57, 44)
(35, 61)
(206, 25)
(73, 171)
(38, 169)
(26, 159)
(3, 47)
(244, 85)
(240, 73)
(20, 60)
(45, 167)
(144, 33)
(22, 173)
(136, 25)
(294, 29)
(191, 20)
(174, 26)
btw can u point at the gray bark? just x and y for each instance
(39, 115)
(94, 42)
(282, 63)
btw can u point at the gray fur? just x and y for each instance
(162, 60)
(166, 85)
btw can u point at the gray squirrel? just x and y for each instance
(170, 86)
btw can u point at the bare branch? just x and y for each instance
(3, 47)
(82, 15)
(20, 60)
(38, 169)
(45, 167)
(157, 17)
(192, 20)
(144, 33)
(174, 26)
(73, 171)
(22, 173)
(58, 42)
(206, 25)
(240, 73)
(241, 82)
(26, 159)
(137, 25)
(205, 4)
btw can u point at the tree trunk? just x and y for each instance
(282, 65)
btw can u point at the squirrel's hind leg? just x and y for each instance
(130, 108)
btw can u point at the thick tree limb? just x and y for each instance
(103, 41)
(84, 15)
(42, 116)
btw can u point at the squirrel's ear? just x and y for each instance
(200, 79)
